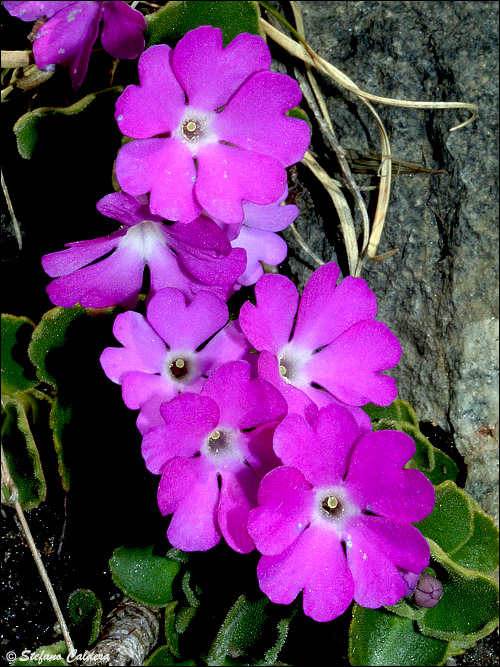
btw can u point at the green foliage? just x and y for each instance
(250, 626)
(381, 638)
(19, 412)
(400, 416)
(143, 576)
(162, 656)
(169, 24)
(29, 126)
(85, 613)
(464, 550)
(29, 386)
(297, 112)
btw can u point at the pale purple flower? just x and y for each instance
(211, 127)
(160, 357)
(335, 342)
(72, 28)
(190, 259)
(211, 453)
(335, 520)
(257, 236)
(428, 591)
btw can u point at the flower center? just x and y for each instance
(193, 129)
(331, 505)
(291, 362)
(179, 368)
(219, 442)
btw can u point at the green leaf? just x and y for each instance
(49, 335)
(162, 656)
(250, 627)
(381, 638)
(29, 126)
(450, 522)
(143, 576)
(468, 608)
(18, 374)
(399, 416)
(399, 411)
(21, 451)
(169, 24)
(297, 112)
(85, 611)
(480, 552)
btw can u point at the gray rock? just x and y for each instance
(439, 292)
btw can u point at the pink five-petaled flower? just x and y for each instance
(221, 436)
(336, 342)
(160, 357)
(190, 259)
(257, 236)
(335, 520)
(69, 34)
(211, 127)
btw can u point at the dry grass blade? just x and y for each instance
(317, 104)
(342, 208)
(307, 55)
(9, 485)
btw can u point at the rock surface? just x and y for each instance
(439, 292)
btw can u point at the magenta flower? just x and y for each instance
(209, 459)
(211, 127)
(160, 357)
(258, 238)
(335, 520)
(191, 259)
(72, 28)
(335, 342)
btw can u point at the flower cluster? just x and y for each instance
(255, 424)
(71, 28)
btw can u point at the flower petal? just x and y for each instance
(286, 503)
(115, 280)
(229, 344)
(142, 349)
(273, 217)
(297, 400)
(33, 10)
(321, 455)
(79, 254)
(326, 311)
(127, 209)
(376, 548)
(210, 74)
(268, 325)
(156, 106)
(227, 175)
(260, 246)
(166, 169)
(314, 563)
(185, 326)
(238, 495)
(254, 119)
(67, 39)
(189, 489)
(349, 367)
(378, 482)
(243, 403)
(121, 34)
(179, 436)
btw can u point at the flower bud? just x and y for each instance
(410, 579)
(428, 591)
